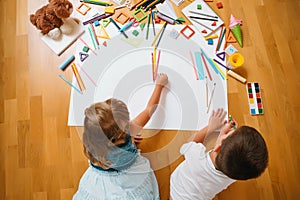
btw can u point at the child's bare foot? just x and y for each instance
(216, 120)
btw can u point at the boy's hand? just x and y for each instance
(216, 120)
(161, 79)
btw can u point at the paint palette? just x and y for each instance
(254, 99)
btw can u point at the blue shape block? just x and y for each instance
(96, 23)
(252, 111)
(199, 65)
(210, 41)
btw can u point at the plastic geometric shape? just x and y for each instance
(210, 41)
(135, 42)
(221, 55)
(204, 31)
(105, 22)
(109, 10)
(85, 49)
(83, 8)
(230, 50)
(214, 23)
(83, 56)
(174, 34)
(199, 7)
(219, 5)
(138, 12)
(135, 32)
(230, 38)
(142, 26)
(101, 32)
(96, 23)
(122, 18)
(185, 29)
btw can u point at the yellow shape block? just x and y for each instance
(109, 10)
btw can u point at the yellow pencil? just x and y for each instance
(78, 77)
(159, 32)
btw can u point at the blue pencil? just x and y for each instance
(69, 83)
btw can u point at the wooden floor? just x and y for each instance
(41, 157)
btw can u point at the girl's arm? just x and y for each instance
(137, 124)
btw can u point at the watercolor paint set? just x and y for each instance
(254, 98)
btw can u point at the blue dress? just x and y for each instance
(129, 178)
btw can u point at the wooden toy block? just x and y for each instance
(109, 10)
(122, 18)
(96, 23)
(83, 8)
(219, 5)
(210, 41)
(85, 49)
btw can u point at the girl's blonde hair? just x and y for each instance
(105, 124)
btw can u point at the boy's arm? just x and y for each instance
(137, 124)
(216, 121)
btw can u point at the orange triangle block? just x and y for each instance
(101, 32)
(230, 38)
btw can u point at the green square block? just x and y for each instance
(85, 49)
(135, 32)
(199, 7)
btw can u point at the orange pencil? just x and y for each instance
(78, 77)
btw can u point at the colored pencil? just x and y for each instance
(157, 35)
(203, 18)
(87, 75)
(78, 77)
(92, 36)
(202, 24)
(219, 38)
(69, 83)
(206, 15)
(206, 88)
(194, 66)
(208, 72)
(153, 21)
(118, 27)
(87, 45)
(148, 24)
(157, 63)
(211, 97)
(152, 60)
(96, 2)
(160, 36)
(223, 33)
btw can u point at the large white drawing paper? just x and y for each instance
(124, 71)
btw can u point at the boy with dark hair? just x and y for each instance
(238, 154)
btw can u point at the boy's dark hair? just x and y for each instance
(243, 155)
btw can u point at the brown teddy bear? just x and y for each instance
(50, 18)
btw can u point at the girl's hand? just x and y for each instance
(161, 79)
